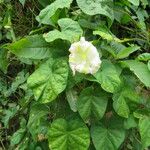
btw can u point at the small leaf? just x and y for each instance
(127, 51)
(108, 77)
(92, 104)
(47, 13)
(37, 123)
(68, 135)
(144, 57)
(106, 34)
(22, 2)
(17, 136)
(135, 2)
(70, 30)
(9, 114)
(49, 80)
(140, 70)
(130, 122)
(44, 3)
(3, 60)
(144, 127)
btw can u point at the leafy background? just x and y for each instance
(43, 106)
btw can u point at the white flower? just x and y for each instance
(84, 57)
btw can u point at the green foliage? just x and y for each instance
(33, 47)
(108, 77)
(70, 30)
(92, 104)
(140, 70)
(3, 60)
(144, 127)
(49, 80)
(107, 136)
(102, 7)
(49, 14)
(68, 134)
(44, 106)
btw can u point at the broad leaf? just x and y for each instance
(105, 138)
(49, 80)
(70, 30)
(47, 13)
(140, 70)
(68, 135)
(144, 127)
(92, 7)
(108, 77)
(92, 104)
(33, 47)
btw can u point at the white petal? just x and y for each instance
(84, 57)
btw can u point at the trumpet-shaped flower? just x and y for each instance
(84, 57)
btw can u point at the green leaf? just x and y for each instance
(49, 80)
(72, 99)
(144, 127)
(148, 65)
(17, 136)
(135, 2)
(8, 114)
(123, 98)
(3, 60)
(92, 104)
(130, 122)
(127, 51)
(108, 77)
(20, 79)
(37, 111)
(70, 30)
(140, 70)
(37, 123)
(121, 15)
(33, 47)
(44, 3)
(140, 113)
(120, 106)
(91, 7)
(47, 13)
(144, 57)
(105, 138)
(68, 135)
(106, 34)
(22, 2)
(144, 3)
